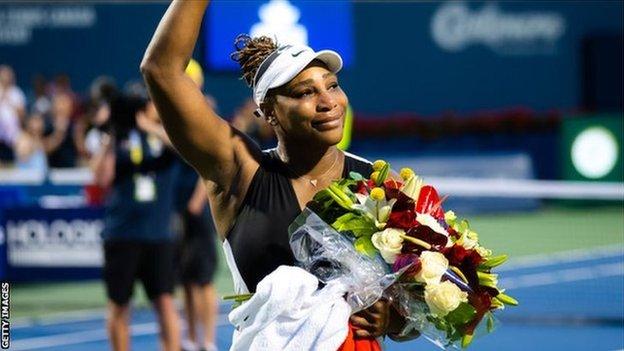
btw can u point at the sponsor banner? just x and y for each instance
(17, 23)
(38, 237)
(455, 26)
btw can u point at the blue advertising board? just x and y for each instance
(52, 244)
(321, 27)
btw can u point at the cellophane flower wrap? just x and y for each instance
(389, 236)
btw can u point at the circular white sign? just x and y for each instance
(594, 152)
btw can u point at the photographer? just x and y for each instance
(136, 166)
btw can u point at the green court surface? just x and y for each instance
(545, 231)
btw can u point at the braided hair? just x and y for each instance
(250, 52)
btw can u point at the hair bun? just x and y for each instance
(250, 52)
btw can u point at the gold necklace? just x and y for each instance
(313, 181)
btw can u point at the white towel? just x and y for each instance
(288, 313)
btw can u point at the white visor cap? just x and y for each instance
(285, 63)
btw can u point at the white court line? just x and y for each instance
(570, 256)
(77, 337)
(563, 276)
(99, 334)
(59, 317)
(73, 317)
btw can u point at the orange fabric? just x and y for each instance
(352, 344)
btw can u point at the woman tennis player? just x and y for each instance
(254, 194)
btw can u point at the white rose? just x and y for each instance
(434, 265)
(389, 243)
(429, 221)
(444, 297)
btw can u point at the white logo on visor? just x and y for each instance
(278, 19)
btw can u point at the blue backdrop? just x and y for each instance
(399, 61)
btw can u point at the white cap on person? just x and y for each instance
(285, 63)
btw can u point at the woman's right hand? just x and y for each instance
(205, 140)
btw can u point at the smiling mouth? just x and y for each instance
(327, 123)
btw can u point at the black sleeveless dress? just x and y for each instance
(258, 242)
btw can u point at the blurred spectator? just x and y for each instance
(136, 89)
(29, 151)
(41, 103)
(58, 141)
(139, 169)
(257, 128)
(102, 89)
(101, 93)
(12, 109)
(99, 118)
(62, 86)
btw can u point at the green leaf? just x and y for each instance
(462, 226)
(364, 245)
(345, 183)
(343, 219)
(463, 314)
(339, 194)
(466, 340)
(507, 300)
(322, 196)
(493, 262)
(490, 322)
(440, 323)
(358, 224)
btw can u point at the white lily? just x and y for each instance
(412, 187)
(468, 239)
(378, 210)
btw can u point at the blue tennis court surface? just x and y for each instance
(573, 302)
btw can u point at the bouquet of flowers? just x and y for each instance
(389, 236)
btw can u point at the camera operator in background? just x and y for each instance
(137, 167)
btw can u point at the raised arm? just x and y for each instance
(215, 150)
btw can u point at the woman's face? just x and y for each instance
(311, 106)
